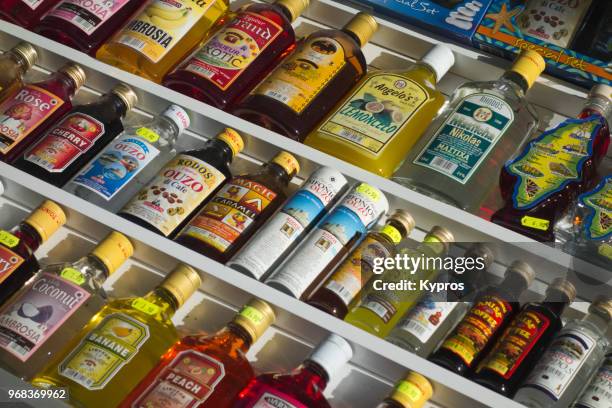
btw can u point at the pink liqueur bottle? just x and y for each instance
(26, 13)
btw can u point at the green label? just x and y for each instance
(252, 314)
(73, 275)
(8, 239)
(467, 136)
(145, 306)
(552, 161)
(148, 134)
(598, 223)
(376, 111)
(104, 351)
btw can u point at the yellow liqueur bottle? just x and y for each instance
(378, 123)
(120, 344)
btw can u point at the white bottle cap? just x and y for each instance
(332, 354)
(177, 115)
(602, 90)
(440, 58)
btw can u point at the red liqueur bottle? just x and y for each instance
(26, 13)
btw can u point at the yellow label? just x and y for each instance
(145, 306)
(605, 250)
(533, 222)
(252, 314)
(73, 275)
(8, 239)
(162, 25)
(410, 390)
(392, 232)
(369, 191)
(148, 134)
(305, 74)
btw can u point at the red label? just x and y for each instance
(23, 112)
(9, 262)
(87, 15)
(225, 56)
(66, 142)
(186, 382)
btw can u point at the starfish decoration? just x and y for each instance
(503, 18)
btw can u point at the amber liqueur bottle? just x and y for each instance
(296, 96)
(13, 65)
(524, 341)
(233, 215)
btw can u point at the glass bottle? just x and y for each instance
(275, 240)
(120, 344)
(17, 246)
(70, 143)
(183, 185)
(86, 25)
(541, 183)
(162, 35)
(411, 392)
(26, 13)
(524, 341)
(332, 239)
(235, 212)
(304, 386)
(378, 123)
(324, 67)
(235, 59)
(493, 309)
(344, 285)
(475, 134)
(205, 371)
(597, 394)
(27, 113)
(13, 65)
(424, 326)
(378, 308)
(55, 304)
(572, 358)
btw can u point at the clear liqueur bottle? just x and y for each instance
(484, 125)
(598, 394)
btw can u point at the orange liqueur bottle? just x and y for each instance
(205, 371)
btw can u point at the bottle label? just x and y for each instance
(87, 15)
(552, 161)
(119, 163)
(187, 381)
(228, 53)
(599, 392)
(7, 239)
(66, 142)
(561, 363)
(516, 343)
(162, 25)
(467, 136)
(410, 390)
(73, 275)
(305, 73)
(33, 4)
(376, 112)
(426, 317)
(275, 399)
(104, 351)
(145, 306)
(179, 188)
(233, 209)
(9, 262)
(480, 324)
(23, 112)
(598, 223)
(34, 315)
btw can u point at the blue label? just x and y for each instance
(344, 224)
(304, 207)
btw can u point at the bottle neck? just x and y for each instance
(353, 36)
(514, 285)
(162, 297)
(598, 320)
(168, 125)
(221, 146)
(28, 236)
(19, 61)
(312, 376)
(98, 271)
(597, 105)
(556, 302)
(61, 81)
(282, 9)
(117, 105)
(278, 172)
(516, 80)
(238, 337)
(426, 71)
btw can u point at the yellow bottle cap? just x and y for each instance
(233, 140)
(182, 282)
(113, 251)
(413, 391)
(127, 95)
(363, 25)
(27, 52)
(255, 317)
(530, 65)
(46, 219)
(75, 72)
(294, 7)
(287, 162)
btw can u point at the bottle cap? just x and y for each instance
(602, 306)
(233, 140)
(481, 251)
(113, 251)
(255, 317)
(182, 282)
(413, 391)
(601, 90)
(440, 58)
(75, 73)
(404, 218)
(523, 269)
(564, 286)
(363, 25)
(294, 7)
(46, 219)
(27, 52)
(287, 162)
(127, 95)
(178, 116)
(332, 354)
(530, 65)
(441, 235)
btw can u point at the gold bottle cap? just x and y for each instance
(602, 306)
(522, 268)
(255, 317)
(287, 162)
(481, 251)
(233, 140)
(564, 286)
(404, 218)
(295, 7)
(363, 25)
(46, 219)
(127, 95)
(27, 52)
(440, 235)
(113, 251)
(75, 72)
(530, 65)
(413, 391)
(182, 282)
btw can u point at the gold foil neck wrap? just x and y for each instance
(182, 282)
(363, 25)
(75, 72)
(27, 52)
(46, 219)
(255, 317)
(127, 95)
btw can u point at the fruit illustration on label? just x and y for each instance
(169, 16)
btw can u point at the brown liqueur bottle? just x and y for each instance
(491, 312)
(183, 185)
(299, 93)
(227, 221)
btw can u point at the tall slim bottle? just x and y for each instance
(55, 304)
(120, 344)
(597, 394)
(297, 95)
(235, 59)
(482, 127)
(411, 392)
(121, 170)
(26, 13)
(13, 65)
